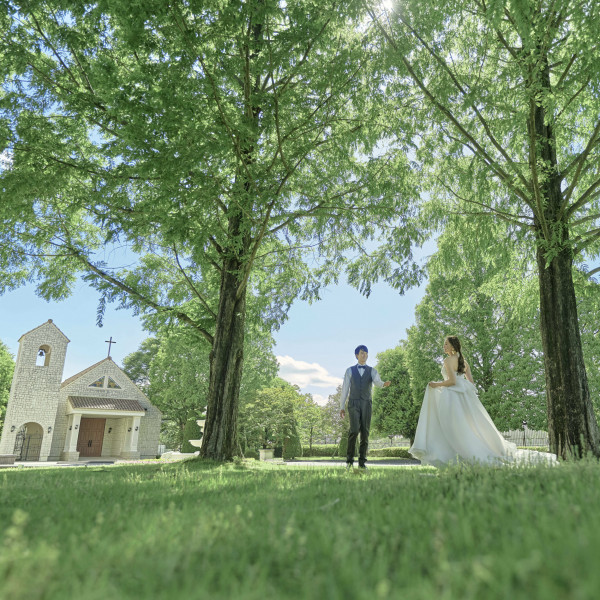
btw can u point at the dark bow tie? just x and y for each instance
(362, 366)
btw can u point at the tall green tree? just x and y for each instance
(309, 417)
(492, 306)
(268, 420)
(7, 368)
(504, 102)
(333, 425)
(394, 411)
(173, 370)
(137, 364)
(219, 141)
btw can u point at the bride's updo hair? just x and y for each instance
(455, 343)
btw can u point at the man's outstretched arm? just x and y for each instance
(377, 379)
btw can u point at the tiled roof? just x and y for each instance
(77, 375)
(105, 403)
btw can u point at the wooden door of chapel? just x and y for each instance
(91, 436)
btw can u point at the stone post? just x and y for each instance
(70, 452)
(130, 446)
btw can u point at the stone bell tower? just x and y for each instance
(34, 394)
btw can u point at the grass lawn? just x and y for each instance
(342, 459)
(265, 531)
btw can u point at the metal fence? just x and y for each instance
(526, 437)
(396, 441)
(521, 437)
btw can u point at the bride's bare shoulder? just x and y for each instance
(451, 362)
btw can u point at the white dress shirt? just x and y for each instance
(348, 378)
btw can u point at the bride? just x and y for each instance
(455, 427)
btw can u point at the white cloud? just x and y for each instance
(320, 399)
(304, 374)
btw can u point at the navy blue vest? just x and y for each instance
(360, 387)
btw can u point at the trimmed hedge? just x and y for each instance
(332, 450)
(394, 452)
(191, 431)
(320, 450)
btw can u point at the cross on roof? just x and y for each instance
(110, 342)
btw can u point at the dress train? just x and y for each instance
(454, 427)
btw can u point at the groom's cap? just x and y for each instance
(359, 348)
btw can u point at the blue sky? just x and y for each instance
(314, 346)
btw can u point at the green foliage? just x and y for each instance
(394, 411)
(191, 431)
(483, 527)
(471, 81)
(501, 100)
(393, 452)
(328, 450)
(491, 305)
(267, 419)
(342, 448)
(7, 368)
(220, 142)
(178, 378)
(173, 370)
(292, 446)
(309, 417)
(137, 364)
(332, 424)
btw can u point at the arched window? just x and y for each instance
(43, 356)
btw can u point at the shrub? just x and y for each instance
(191, 431)
(292, 447)
(342, 448)
(320, 450)
(251, 454)
(395, 452)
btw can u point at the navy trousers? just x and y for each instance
(359, 413)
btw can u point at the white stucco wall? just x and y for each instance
(149, 423)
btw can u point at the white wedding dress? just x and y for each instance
(455, 427)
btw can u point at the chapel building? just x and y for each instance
(98, 412)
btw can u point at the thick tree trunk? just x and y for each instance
(226, 362)
(572, 425)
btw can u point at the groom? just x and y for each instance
(357, 388)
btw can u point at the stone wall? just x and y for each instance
(34, 394)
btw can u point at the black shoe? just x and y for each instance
(349, 465)
(363, 467)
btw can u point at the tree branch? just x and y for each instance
(592, 238)
(490, 161)
(586, 197)
(480, 117)
(566, 71)
(534, 173)
(573, 97)
(584, 219)
(193, 287)
(137, 295)
(579, 163)
(491, 211)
